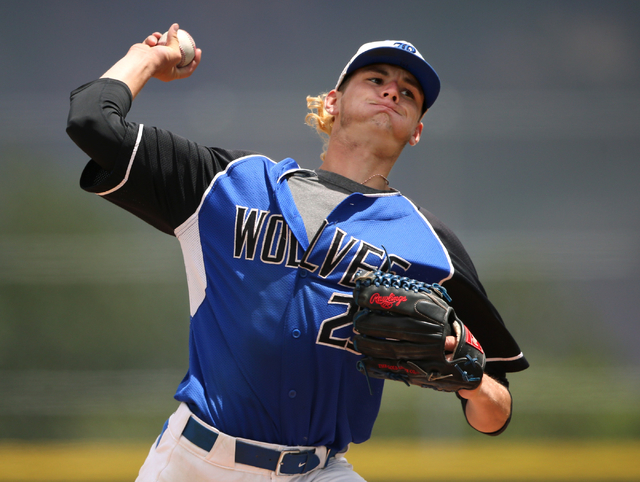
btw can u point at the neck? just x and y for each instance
(360, 163)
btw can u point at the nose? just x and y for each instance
(391, 91)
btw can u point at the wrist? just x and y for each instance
(476, 392)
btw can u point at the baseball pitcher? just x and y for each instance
(308, 289)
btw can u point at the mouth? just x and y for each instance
(386, 107)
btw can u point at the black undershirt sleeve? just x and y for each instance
(152, 173)
(96, 121)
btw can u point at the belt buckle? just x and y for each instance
(283, 454)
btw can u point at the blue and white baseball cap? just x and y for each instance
(401, 54)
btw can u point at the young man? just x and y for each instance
(270, 250)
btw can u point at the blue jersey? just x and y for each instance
(271, 313)
(271, 357)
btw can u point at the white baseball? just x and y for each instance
(187, 46)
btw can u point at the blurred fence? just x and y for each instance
(548, 402)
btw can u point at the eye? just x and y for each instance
(408, 93)
(376, 80)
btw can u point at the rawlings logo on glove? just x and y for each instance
(386, 302)
(401, 330)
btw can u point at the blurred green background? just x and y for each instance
(530, 155)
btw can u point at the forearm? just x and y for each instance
(148, 59)
(488, 407)
(134, 69)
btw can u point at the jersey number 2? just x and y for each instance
(326, 334)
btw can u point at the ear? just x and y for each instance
(415, 137)
(331, 102)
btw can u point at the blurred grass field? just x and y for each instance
(98, 426)
(391, 460)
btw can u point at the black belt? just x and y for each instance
(286, 462)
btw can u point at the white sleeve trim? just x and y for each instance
(133, 156)
(513, 358)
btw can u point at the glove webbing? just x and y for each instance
(394, 281)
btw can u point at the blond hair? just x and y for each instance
(319, 119)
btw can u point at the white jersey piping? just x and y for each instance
(188, 234)
(133, 156)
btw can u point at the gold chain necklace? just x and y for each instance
(375, 175)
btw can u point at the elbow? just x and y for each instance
(495, 433)
(79, 128)
(84, 131)
(73, 127)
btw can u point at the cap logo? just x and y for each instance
(403, 46)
